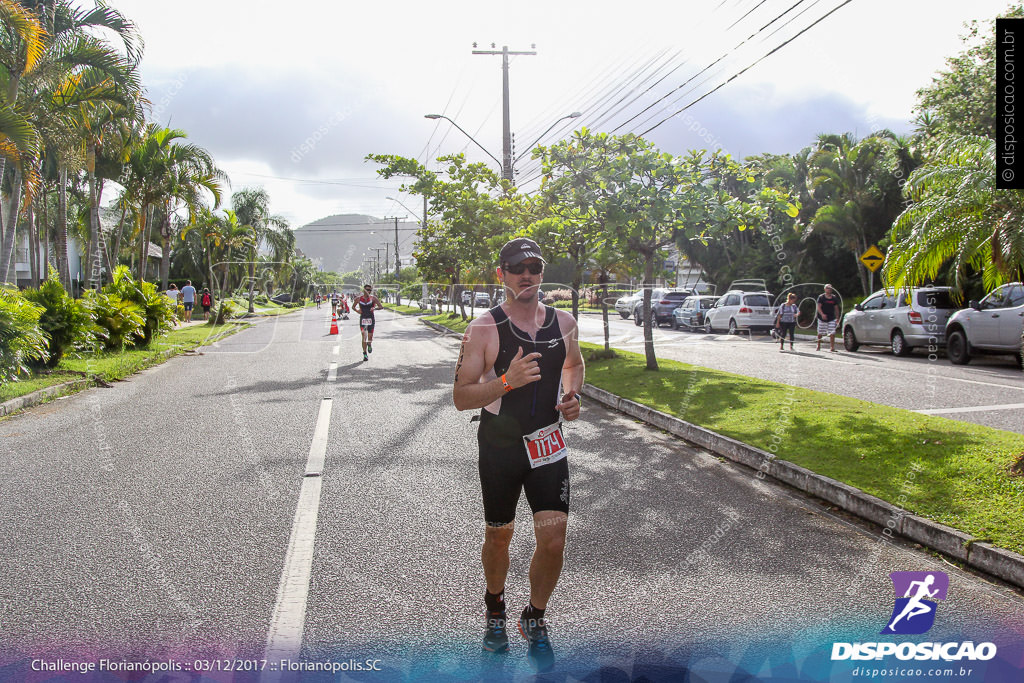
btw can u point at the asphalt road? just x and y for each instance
(989, 391)
(154, 520)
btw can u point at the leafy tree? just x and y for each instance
(473, 212)
(572, 192)
(958, 219)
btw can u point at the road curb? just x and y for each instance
(1005, 564)
(42, 395)
(36, 397)
(439, 328)
(974, 552)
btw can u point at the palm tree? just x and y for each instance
(164, 177)
(21, 47)
(64, 69)
(958, 218)
(226, 234)
(252, 206)
(849, 180)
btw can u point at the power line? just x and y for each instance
(720, 59)
(758, 61)
(607, 115)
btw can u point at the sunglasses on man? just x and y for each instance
(520, 268)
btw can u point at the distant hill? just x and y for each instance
(341, 242)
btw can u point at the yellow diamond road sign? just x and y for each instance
(872, 258)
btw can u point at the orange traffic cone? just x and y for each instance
(334, 325)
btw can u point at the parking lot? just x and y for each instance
(989, 391)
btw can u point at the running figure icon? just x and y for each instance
(915, 607)
(917, 596)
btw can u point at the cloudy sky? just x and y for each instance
(293, 96)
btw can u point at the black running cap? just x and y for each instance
(518, 250)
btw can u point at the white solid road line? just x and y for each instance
(284, 638)
(972, 409)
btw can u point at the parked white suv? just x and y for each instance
(739, 310)
(901, 320)
(993, 325)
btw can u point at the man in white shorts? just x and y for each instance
(829, 310)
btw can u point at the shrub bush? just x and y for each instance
(22, 340)
(67, 323)
(558, 295)
(121, 322)
(224, 311)
(157, 310)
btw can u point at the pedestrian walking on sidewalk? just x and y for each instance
(829, 310)
(206, 300)
(521, 365)
(188, 298)
(785, 320)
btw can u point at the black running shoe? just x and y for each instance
(369, 348)
(540, 654)
(496, 637)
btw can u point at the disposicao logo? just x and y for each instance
(916, 593)
(913, 614)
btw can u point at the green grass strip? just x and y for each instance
(453, 321)
(402, 308)
(964, 472)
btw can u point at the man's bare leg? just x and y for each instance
(495, 556)
(545, 568)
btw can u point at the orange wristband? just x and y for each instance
(508, 387)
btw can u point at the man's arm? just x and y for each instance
(573, 368)
(469, 393)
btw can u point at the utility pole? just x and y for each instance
(506, 138)
(395, 218)
(377, 277)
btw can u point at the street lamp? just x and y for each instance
(406, 208)
(442, 116)
(574, 115)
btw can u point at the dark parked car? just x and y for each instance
(690, 314)
(663, 302)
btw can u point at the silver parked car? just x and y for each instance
(738, 310)
(992, 325)
(624, 305)
(690, 315)
(902, 321)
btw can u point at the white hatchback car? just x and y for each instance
(992, 325)
(739, 310)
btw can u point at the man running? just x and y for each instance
(367, 304)
(521, 363)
